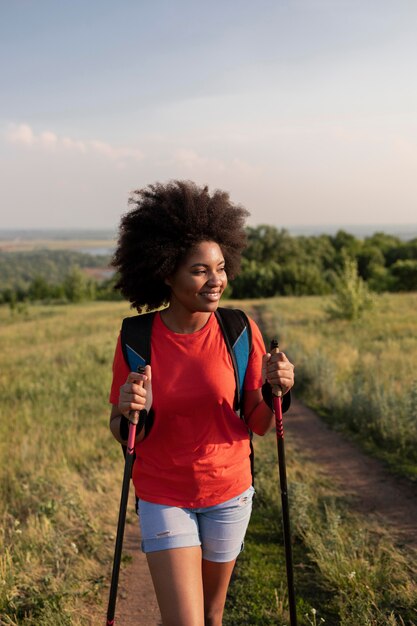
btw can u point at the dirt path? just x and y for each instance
(136, 602)
(372, 491)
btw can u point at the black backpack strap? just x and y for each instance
(237, 334)
(135, 338)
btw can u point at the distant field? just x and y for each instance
(28, 245)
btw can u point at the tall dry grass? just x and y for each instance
(60, 469)
(61, 474)
(347, 570)
(362, 376)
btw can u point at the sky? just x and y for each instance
(305, 111)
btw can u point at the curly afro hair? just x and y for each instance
(165, 223)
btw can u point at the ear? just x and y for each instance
(167, 281)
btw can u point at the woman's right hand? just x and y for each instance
(136, 394)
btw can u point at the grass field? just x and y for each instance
(352, 574)
(362, 376)
(28, 245)
(346, 570)
(61, 472)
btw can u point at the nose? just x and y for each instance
(214, 279)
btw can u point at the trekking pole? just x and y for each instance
(111, 608)
(277, 396)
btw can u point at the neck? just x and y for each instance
(183, 322)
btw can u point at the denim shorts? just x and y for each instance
(219, 529)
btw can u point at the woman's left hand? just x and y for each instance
(277, 370)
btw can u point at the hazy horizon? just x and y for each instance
(403, 231)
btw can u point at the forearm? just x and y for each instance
(258, 409)
(261, 419)
(115, 429)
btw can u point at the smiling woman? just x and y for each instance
(196, 286)
(164, 226)
(192, 472)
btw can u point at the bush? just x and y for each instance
(405, 275)
(351, 295)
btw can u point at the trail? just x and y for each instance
(136, 601)
(371, 490)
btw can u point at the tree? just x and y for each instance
(77, 287)
(267, 243)
(405, 275)
(370, 259)
(39, 289)
(257, 280)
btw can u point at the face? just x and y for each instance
(198, 283)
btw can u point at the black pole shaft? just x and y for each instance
(287, 530)
(277, 395)
(119, 537)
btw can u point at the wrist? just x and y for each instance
(125, 424)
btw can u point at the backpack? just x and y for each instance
(237, 333)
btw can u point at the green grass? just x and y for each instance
(362, 376)
(346, 569)
(60, 470)
(61, 475)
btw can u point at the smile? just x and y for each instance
(210, 295)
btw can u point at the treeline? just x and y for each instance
(53, 275)
(76, 286)
(19, 269)
(274, 263)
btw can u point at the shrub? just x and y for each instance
(351, 295)
(405, 275)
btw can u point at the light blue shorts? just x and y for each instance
(219, 529)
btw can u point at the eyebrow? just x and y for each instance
(206, 264)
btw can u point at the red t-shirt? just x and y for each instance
(197, 452)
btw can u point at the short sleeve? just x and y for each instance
(253, 378)
(120, 373)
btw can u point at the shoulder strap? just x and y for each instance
(237, 334)
(136, 340)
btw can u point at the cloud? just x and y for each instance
(71, 144)
(48, 139)
(22, 134)
(189, 159)
(112, 152)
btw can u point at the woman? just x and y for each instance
(178, 246)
